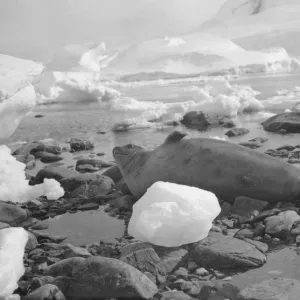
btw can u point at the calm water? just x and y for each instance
(86, 227)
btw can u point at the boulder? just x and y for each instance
(12, 214)
(46, 292)
(218, 251)
(28, 160)
(143, 257)
(244, 206)
(80, 144)
(281, 224)
(201, 121)
(91, 165)
(237, 132)
(286, 122)
(101, 278)
(272, 289)
(46, 157)
(57, 173)
(33, 147)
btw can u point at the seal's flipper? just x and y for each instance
(175, 137)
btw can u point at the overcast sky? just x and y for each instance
(35, 29)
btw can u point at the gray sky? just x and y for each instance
(35, 29)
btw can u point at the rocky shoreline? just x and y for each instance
(239, 240)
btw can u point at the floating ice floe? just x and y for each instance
(13, 184)
(172, 215)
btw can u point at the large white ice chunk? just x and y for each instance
(172, 215)
(14, 186)
(12, 247)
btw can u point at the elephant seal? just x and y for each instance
(225, 169)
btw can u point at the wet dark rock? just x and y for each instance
(201, 121)
(172, 258)
(225, 210)
(46, 157)
(251, 145)
(12, 214)
(245, 233)
(34, 147)
(123, 203)
(88, 206)
(114, 173)
(272, 289)
(80, 144)
(32, 242)
(34, 204)
(289, 122)
(73, 251)
(219, 291)
(277, 153)
(143, 257)
(91, 165)
(286, 147)
(244, 206)
(99, 277)
(237, 132)
(46, 292)
(265, 214)
(87, 185)
(192, 288)
(258, 140)
(37, 282)
(218, 251)
(281, 224)
(175, 295)
(40, 226)
(46, 236)
(57, 173)
(28, 160)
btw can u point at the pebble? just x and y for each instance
(201, 272)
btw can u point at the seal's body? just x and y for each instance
(226, 169)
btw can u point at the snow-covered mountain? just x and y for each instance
(258, 24)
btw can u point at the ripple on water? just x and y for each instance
(86, 227)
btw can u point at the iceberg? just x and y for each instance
(12, 248)
(17, 94)
(172, 215)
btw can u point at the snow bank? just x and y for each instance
(172, 215)
(14, 186)
(12, 242)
